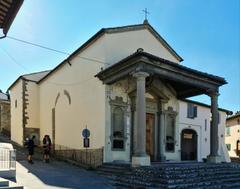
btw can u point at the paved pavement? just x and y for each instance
(57, 175)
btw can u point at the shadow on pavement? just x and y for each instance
(60, 174)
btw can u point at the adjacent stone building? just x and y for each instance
(129, 88)
(4, 113)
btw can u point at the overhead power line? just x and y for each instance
(13, 59)
(55, 50)
(34, 44)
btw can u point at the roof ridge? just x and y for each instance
(126, 26)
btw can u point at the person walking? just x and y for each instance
(30, 147)
(46, 148)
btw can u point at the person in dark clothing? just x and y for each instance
(47, 148)
(31, 146)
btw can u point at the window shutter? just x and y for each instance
(195, 111)
(190, 111)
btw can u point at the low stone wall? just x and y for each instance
(5, 117)
(87, 158)
(235, 159)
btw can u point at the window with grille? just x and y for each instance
(118, 128)
(170, 133)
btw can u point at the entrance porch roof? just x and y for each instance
(185, 81)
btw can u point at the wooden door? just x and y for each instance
(149, 134)
(189, 145)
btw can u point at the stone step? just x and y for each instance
(135, 184)
(197, 175)
(6, 184)
(169, 181)
(201, 182)
(114, 171)
(3, 182)
(223, 183)
(202, 176)
(182, 169)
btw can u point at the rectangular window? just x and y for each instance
(15, 103)
(228, 133)
(191, 111)
(170, 133)
(228, 147)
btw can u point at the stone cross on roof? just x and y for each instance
(146, 13)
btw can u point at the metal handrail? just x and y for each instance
(7, 158)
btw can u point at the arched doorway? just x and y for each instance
(238, 148)
(188, 145)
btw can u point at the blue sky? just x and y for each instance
(205, 33)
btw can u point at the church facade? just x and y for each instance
(128, 87)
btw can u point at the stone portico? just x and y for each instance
(148, 75)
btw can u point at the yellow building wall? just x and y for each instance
(233, 137)
(86, 105)
(87, 92)
(121, 45)
(16, 113)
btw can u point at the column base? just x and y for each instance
(141, 161)
(162, 158)
(214, 159)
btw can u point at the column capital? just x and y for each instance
(213, 93)
(140, 75)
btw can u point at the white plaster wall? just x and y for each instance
(121, 45)
(16, 113)
(173, 102)
(198, 124)
(87, 100)
(33, 105)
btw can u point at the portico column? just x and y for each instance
(161, 146)
(139, 155)
(214, 156)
